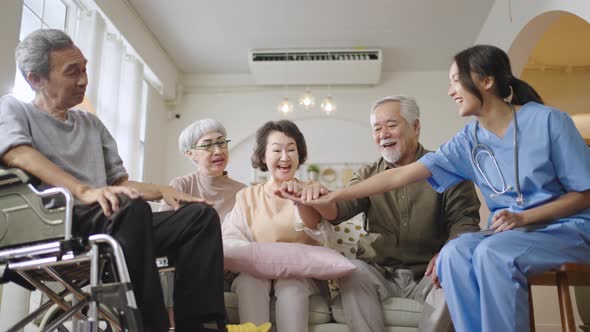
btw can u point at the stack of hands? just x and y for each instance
(311, 194)
(314, 194)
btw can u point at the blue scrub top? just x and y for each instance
(553, 160)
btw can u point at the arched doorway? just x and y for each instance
(558, 66)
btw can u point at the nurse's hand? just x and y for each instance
(431, 271)
(505, 220)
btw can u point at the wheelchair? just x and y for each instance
(85, 279)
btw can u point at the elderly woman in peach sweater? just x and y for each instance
(261, 216)
(204, 143)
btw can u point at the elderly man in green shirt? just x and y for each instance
(406, 227)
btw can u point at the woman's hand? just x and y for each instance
(174, 198)
(290, 190)
(505, 220)
(292, 187)
(313, 191)
(301, 194)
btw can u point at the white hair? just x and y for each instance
(193, 133)
(32, 54)
(408, 107)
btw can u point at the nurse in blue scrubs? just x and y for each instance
(533, 168)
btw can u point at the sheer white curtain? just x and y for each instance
(110, 79)
(114, 86)
(129, 115)
(91, 31)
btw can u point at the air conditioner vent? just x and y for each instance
(317, 56)
(316, 67)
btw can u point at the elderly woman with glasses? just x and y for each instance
(204, 143)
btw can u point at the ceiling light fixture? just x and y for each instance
(328, 105)
(285, 106)
(307, 100)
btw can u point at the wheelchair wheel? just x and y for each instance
(55, 312)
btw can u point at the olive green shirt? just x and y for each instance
(408, 226)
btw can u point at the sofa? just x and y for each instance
(400, 314)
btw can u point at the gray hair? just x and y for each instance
(32, 53)
(408, 107)
(191, 134)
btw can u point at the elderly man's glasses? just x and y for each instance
(211, 146)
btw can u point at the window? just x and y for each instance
(117, 74)
(142, 128)
(42, 14)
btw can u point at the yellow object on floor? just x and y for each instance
(249, 327)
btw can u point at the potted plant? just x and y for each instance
(313, 172)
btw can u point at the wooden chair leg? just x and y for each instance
(565, 303)
(531, 310)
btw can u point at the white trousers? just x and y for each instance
(363, 291)
(292, 301)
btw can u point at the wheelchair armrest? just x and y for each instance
(13, 175)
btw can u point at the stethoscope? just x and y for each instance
(482, 149)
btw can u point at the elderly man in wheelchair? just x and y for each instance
(104, 234)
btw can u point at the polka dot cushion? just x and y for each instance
(344, 238)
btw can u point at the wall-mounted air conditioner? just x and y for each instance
(315, 67)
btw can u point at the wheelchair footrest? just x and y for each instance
(114, 295)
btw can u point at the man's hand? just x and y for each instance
(106, 197)
(174, 198)
(328, 198)
(505, 220)
(431, 271)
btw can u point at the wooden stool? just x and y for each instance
(568, 274)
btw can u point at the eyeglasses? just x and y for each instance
(211, 146)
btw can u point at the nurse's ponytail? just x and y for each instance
(486, 61)
(523, 92)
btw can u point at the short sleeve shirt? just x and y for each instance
(81, 145)
(553, 159)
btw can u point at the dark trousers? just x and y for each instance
(189, 236)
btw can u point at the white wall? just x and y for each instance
(9, 31)
(343, 137)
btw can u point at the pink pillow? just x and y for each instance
(283, 260)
